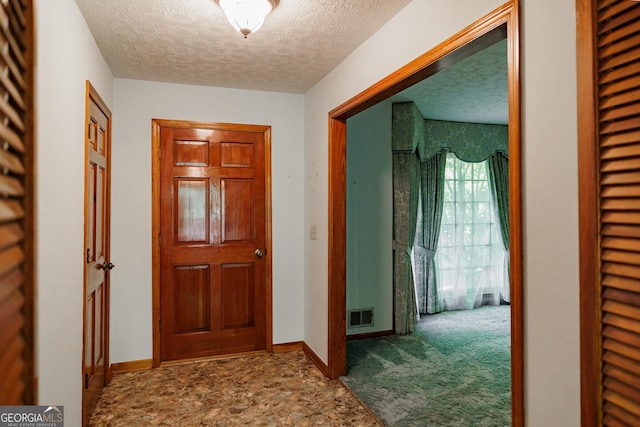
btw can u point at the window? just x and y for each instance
(470, 259)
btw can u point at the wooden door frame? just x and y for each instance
(588, 185)
(156, 125)
(92, 95)
(450, 51)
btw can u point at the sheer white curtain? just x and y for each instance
(470, 257)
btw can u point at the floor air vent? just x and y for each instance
(360, 317)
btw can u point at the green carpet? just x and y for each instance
(454, 370)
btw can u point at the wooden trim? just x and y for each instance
(369, 335)
(134, 365)
(185, 124)
(30, 259)
(155, 239)
(588, 184)
(216, 357)
(287, 347)
(268, 239)
(156, 125)
(315, 359)
(515, 218)
(337, 227)
(452, 50)
(502, 22)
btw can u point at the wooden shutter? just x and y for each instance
(16, 203)
(609, 154)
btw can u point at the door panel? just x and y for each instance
(212, 220)
(191, 210)
(237, 210)
(192, 298)
(237, 295)
(236, 154)
(96, 291)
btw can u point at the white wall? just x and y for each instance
(136, 103)
(370, 216)
(66, 57)
(549, 154)
(552, 330)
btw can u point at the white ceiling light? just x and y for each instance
(247, 16)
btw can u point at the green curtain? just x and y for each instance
(432, 197)
(498, 165)
(406, 186)
(499, 183)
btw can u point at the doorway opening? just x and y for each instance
(501, 23)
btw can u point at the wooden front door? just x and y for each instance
(97, 262)
(212, 240)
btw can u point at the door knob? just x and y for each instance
(258, 253)
(106, 266)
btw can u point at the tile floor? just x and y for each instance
(278, 389)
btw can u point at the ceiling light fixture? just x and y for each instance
(247, 16)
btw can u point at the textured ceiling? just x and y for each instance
(473, 90)
(190, 41)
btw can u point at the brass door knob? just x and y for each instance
(258, 253)
(106, 266)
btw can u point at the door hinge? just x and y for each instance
(86, 380)
(159, 239)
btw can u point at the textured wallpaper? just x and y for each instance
(407, 129)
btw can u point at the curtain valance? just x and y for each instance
(471, 142)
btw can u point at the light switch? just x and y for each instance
(313, 232)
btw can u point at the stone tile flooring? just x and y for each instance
(278, 389)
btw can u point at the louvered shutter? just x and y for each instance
(618, 74)
(16, 203)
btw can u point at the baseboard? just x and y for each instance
(134, 365)
(287, 346)
(368, 335)
(315, 359)
(139, 365)
(213, 357)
